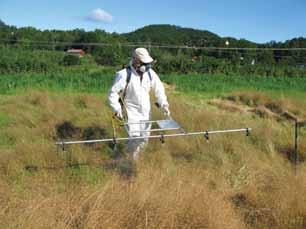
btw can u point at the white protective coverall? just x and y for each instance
(137, 103)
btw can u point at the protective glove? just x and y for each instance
(166, 110)
(119, 115)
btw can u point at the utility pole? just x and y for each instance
(298, 124)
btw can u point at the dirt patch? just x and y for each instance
(253, 215)
(249, 99)
(277, 107)
(67, 130)
(260, 105)
(228, 105)
(93, 132)
(80, 103)
(264, 112)
(231, 106)
(289, 153)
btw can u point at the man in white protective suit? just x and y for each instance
(134, 84)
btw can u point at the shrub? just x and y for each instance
(70, 60)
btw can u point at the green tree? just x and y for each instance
(70, 60)
(2, 24)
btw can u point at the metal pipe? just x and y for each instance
(152, 130)
(142, 122)
(247, 130)
(296, 143)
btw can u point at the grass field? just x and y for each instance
(232, 181)
(98, 80)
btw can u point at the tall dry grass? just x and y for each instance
(232, 181)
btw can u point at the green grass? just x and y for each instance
(91, 79)
(6, 141)
(72, 82)
(4, 119)
(223, 84)
(99, 80)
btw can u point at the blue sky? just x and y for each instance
(256, 20)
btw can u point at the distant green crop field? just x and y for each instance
(225, 83)
(69, 82)
(100, 80)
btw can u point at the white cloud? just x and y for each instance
(99, 15)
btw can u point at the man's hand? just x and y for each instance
(166, 110)
(119, 115)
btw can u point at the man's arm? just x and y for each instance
(113, 97)
(159, 91)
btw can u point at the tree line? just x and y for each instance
(30, 49)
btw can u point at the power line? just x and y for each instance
(153, 45)
(228, 50)
(220, 50)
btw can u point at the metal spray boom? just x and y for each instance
(163, 125)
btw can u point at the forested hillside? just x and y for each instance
(174, 35)
(176, 49)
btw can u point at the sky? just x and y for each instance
(256, 20)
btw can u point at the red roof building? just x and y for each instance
(77, 52)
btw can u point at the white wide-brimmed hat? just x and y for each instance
(143, 55)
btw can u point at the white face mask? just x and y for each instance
(145, 67)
